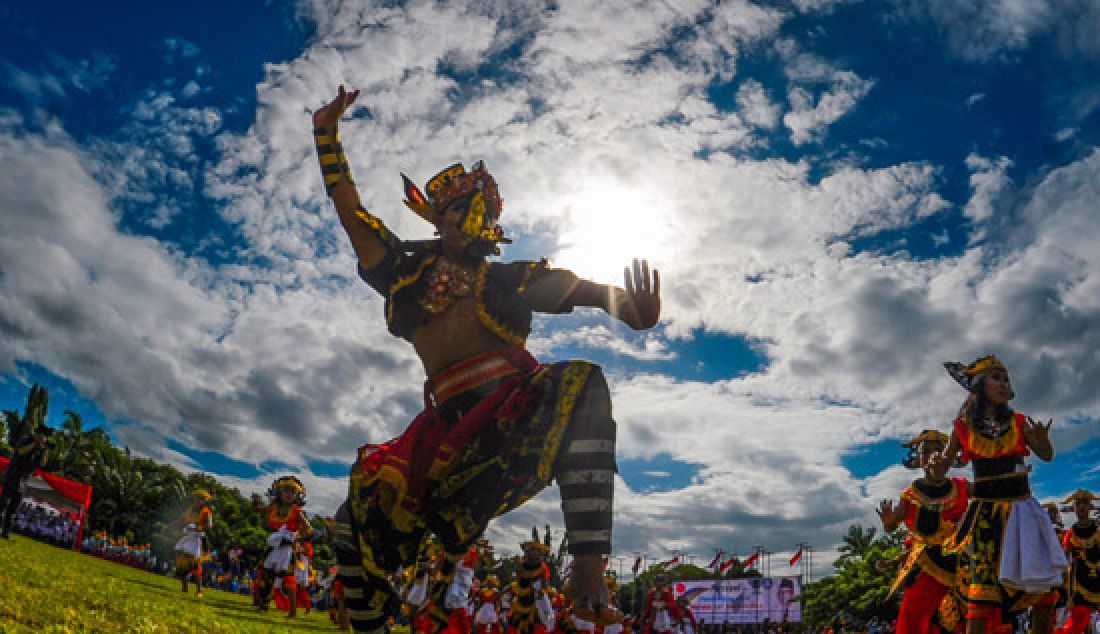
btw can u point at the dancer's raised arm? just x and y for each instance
(637, 304)
(370, 238)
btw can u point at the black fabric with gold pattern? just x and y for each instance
(330, 153)
(1085, 584)
(506, 293)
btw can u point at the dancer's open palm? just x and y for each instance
(329, 114)
(643, 292)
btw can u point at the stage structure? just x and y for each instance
(63, 494)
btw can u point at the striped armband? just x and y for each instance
(334, 164)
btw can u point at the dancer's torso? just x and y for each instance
(453, 335)
(291, 519)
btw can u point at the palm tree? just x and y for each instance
(858, 541)
(74, 447)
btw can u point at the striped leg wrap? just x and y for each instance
(369, 598)
(586, 471)
(334, 164)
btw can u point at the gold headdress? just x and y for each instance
(476, 191)
(928, 435)
(288, 483)
(202, 495)
(1079, 495)
(968, 375)
(912, 460)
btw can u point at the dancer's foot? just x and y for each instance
(588, 591)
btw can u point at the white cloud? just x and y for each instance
(988, 180)
(281, 354)
(984, 30)
(756, 105)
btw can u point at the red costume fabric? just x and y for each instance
(656, 600)
(975, 445)
(931, 514)
(919, 604)
(1078, 622)
(292, 520)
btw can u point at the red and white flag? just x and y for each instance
(726, 566)
(671, 562)
(752, 560)
(714, 562)
(797, 556)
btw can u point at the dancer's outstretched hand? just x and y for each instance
(1036, 431)
(643, 292)
(888, 513)
(329, 114)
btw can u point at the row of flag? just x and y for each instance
(717, 564)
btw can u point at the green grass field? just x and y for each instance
(44, 589)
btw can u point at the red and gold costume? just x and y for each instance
(1082, 542)
(661, 613)
(191, 549)
(930, 508)
(1015, 561)
(929, 573)
(487, 619)
(288, 525)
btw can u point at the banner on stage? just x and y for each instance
(744, 600)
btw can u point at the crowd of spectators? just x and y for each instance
(119, 550)
(46, 524)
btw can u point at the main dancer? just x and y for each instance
(930, 508)
(1015, 558)
(497, 425)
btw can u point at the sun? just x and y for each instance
(607, 227)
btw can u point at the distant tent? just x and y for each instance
(61, 493)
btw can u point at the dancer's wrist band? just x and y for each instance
(330, 154)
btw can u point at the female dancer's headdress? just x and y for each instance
(928, 436)
(969, 376)
(288, 483)
(1079, 495)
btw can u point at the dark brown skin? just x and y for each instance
(458, 333)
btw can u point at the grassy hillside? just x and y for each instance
(49, 590)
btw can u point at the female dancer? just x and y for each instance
(930, 508)
(288, 525)
(190, 549)
(1015, 557)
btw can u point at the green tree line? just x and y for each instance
(135, 497)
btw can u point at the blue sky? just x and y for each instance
(840, 197)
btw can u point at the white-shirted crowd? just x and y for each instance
(43, 522)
